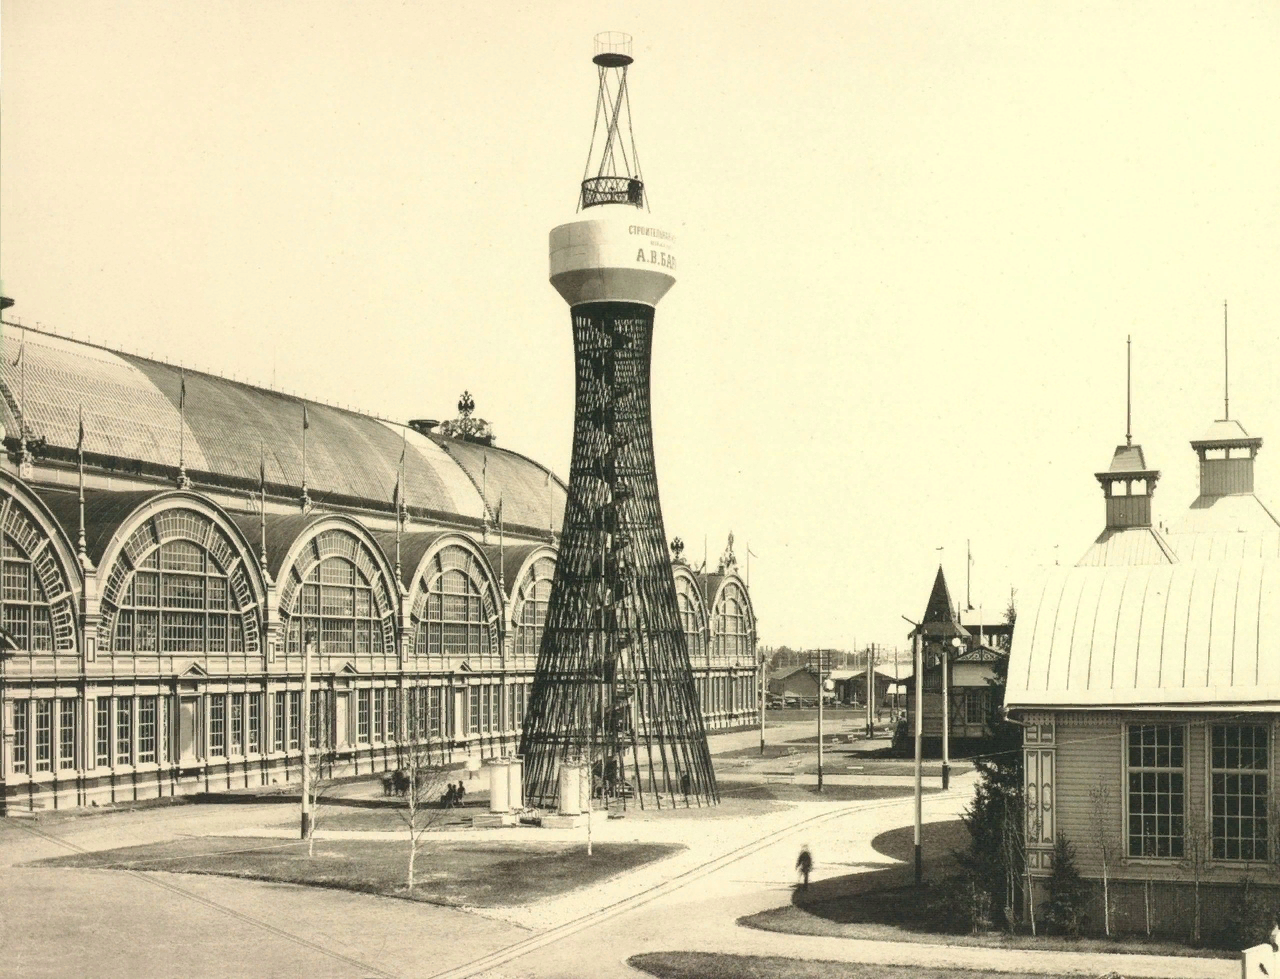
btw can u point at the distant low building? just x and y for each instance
(795, 682)
(970, 664)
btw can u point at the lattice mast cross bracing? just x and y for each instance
(613, 687)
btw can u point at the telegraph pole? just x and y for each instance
(821, 691)
(306, 736)
(764, 692)
(917, 651)
(871, 690)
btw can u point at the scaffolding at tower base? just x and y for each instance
(613, 686)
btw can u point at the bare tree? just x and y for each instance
(320, 782)
(416, 810)
(1103, 829)
(1196, 852)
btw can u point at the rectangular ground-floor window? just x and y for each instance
(436, 719)
(124, 730)
(473, 713)
(102, 725)
(44, 735)
(295, 720)
(278, 721)
(66, 733)
(379, 713)
(1157, 790)
(362, 716)
(236, 724)
(217, 725)
(20, 722)
(1239, 766)
(313, 735)
(255, 723)
(146, 729)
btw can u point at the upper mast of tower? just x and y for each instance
(612, 173)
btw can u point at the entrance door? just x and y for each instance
(187, 731)
(341, 734)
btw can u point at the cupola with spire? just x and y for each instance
(1128, 482)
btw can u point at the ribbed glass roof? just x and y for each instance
(131, 412)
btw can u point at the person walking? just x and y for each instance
(804, 864)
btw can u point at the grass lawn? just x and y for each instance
(885, 905)
(455, 874)
(710, 965)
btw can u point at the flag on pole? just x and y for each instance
(182, 392)
(80, 436)
(305, 423)
(18, 359)
(262, 467)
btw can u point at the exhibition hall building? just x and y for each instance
(177, 544)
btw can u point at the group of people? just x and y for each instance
(453, 795)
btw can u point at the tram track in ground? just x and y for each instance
(550, 936)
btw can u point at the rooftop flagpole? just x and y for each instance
(306, 499)
(262, 503)
(81, 550)
(399, 500)
(1226, 368)
(183, 482)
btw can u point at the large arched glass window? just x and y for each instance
(531, 608)
(336, 593)
(454, 614)
(337, 607)
(691, 617)
(27, 618)
(179, 587)
(732, 625)
(37, 602)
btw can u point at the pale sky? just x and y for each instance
(913, 239)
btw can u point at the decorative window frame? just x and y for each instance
(687, 587)
(1039, 750)
(25, 518)
(534, 570)
(182, 515)
(338, 536)
(435, 563)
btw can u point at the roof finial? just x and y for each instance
(1226, 368)
(1128, 390)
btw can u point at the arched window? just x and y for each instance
(454, 614)
(27, 618)
(179, 586)
(336, 594)
(337, 608)
(38, 607)
(732, 626)
(531, 609)
(691, 617)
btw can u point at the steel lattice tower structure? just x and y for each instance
(613, 686)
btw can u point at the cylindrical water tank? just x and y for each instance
(515, 782)
(499, 799)
(570, 799)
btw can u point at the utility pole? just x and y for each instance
(306, 736)
(821, 691)
(871, 690)
(764, 692)
(956, 643)
(917, 651)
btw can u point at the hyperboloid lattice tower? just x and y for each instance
(613, 688)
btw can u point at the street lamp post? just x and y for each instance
(764, 692)
(917, 650)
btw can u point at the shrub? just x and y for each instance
(960, 903)
(1252, 914)
(1068, 892)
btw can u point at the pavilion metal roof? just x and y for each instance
(132, 420)
(1181, 635)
